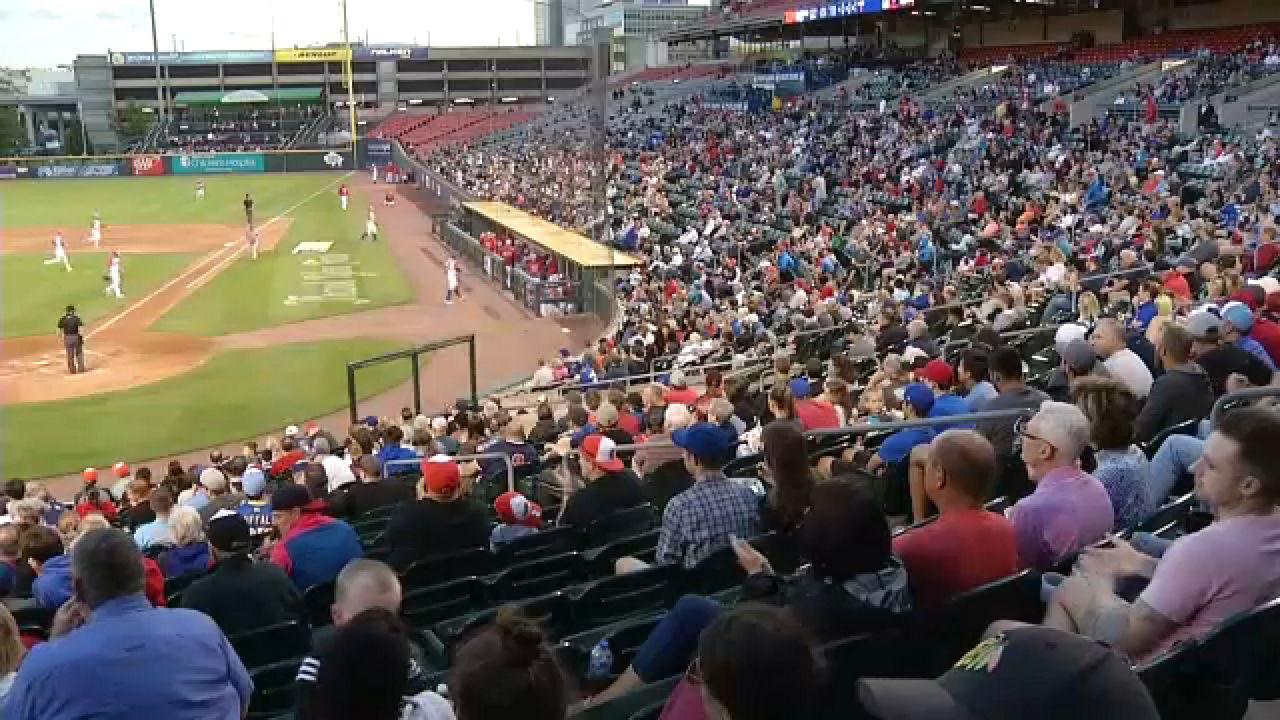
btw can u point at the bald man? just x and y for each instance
(967, 546)
(1123, 364)
(362, 584)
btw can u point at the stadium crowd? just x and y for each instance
(809, 271)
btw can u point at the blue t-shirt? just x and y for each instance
(948, 404)
(897, 447)
(257, 513)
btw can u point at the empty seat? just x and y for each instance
(549, 611)
(443, 568)
(537, 577)
(319, 601)
(950, 631)
(174, 586)
(272, 644)
(612, 599)
(618, 524)
(273, 689)
(544, 543)
(423, 607)
(641, 546)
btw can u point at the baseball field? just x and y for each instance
(207, 344)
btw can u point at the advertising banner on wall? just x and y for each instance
(217, 163)
(147, 165)
(80, 171)
(209, 57)
(378, 151)
(306, 55)
(389, 53)
(304, 161)
(8, 172)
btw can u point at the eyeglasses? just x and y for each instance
(693, 673)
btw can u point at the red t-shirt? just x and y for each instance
(959, 551)
(629, 422)
(681, 396)
(1267, 332)
(1177, 285)
(285, 462)
(816, 414)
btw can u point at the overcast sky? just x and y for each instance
(36, 34)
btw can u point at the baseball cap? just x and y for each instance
(936, 371)
(1185, 262)
(228, 531)
(1027, 672)
(601, 452)
(310, 428)
(440, 474)
(607, 414)
(919, 396)
(290, 497)
(703, 440)
(1267, 283)
(1204, 325)
(678, 379)
(320, 446)
(912, 354)
(1079, 355)
(1066, 333)
(516, 509)
(800, 387)
(213, 479)
(254, 482)
(1239, 315)
(90, 475)
(120, 469)
(291, 431)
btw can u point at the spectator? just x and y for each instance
(1204, 578)
(756, 662)
(336, 470)
(607, 486)
(1123, 364)
(1024, 672)
(221, 496)
(364, 671)
(256, 506)
(1182, 393)
(1078, 360)
(1069, 508)
(607, 418)
(371, 492)
(512, 443)
(157, 531)
(658, 450)
(392, 450)
(938, 376)
(679, 391)
(312, 547)
(96, 500)
(1006, 369)
(544, 429)
(202, 675)
(1221, 360)
(190, 553)
(43, 551)
(917, 402)
(506, 670)
(853, 585)
(11, 652)
(441, 521)
(290, 456)
(198, 495)
(972, 376)
(9, 557)
(789, 477)
(238, 593)
(1122, 467)
(139, 494)
(517, 516)
(1237, 321)
(966, 546)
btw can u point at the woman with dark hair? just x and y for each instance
(854, 585)
(1122, 467)
(506, 671)
(782, 404)
(756, 662)
(363, 672)
(789, 477)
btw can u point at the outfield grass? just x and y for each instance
(154, 200)
(236, 394)
(32, 294)
(250, 295)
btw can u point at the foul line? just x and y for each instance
(238, 247)
(241, 247)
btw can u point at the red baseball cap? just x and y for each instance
(440, 474)
(936, 371)
(601, 452)
(516, 509)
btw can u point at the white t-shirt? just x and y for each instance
(427, 705)
(1129, 369)
(338, 471)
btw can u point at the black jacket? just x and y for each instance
(609, 493)
(355, 499)
(831, 611)
(428, 527)
(1181, 393)
(240, 595)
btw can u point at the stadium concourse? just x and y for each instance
(905, 391)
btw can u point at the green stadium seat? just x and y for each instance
(272, 644)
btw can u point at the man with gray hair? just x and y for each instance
(203, 676)
(1069, 508)
(658, 449)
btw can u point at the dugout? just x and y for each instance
(586, 269)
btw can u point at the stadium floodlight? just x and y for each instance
(463, 101)
(415, 101)
(510, 99)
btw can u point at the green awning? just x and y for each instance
(235, 97)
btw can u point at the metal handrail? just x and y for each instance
(506, 459)
(1219, 406)
(625, 379)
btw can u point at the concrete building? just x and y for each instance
(636, 26)
(47, 104)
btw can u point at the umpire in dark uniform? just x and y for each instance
(71, 328)
(248, 210)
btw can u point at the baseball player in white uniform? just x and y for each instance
(95, 231)
(59, 252)
(450, 281)
(199, 189)
(113, 275)
(370, 227)
(253, 238)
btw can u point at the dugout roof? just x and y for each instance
(573, 247)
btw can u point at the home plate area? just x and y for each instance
(328, 277)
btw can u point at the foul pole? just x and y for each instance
(349, 77)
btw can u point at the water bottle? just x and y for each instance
(600, 664)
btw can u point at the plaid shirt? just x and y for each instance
(699, 521)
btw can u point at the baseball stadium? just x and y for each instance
(735, 359)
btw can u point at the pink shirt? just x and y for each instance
(1068, 510)
(1204, 578)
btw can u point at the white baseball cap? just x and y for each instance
(291, 431)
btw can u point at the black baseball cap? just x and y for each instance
(228, 531)
(1029, 672)
(290, 497)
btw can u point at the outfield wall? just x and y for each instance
(151, 165)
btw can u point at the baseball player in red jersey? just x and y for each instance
(344, 195)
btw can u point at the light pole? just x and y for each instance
(155, 52)
(351, 86)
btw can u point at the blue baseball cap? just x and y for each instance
(1239, 315)
(703, 440)
(253, 482)
(919, 396)
(800, 388)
